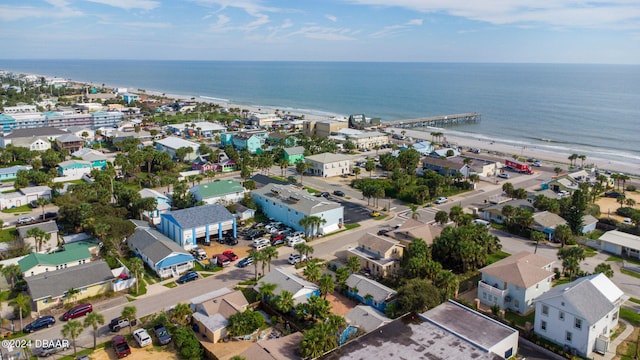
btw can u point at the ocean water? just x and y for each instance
(586, 109)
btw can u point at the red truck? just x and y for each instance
(121, 347)
(518, 166)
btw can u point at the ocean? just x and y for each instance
(586, 109)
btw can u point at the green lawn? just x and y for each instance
(518, 319)
(630, 273)
(630, 315)
(351, 226)
(170, 285)
(561, 282)
(497, 256)
(381, 217)
(19, 209)
(8, 235)
(634, 300)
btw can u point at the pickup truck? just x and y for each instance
(163, 335)
(121, 346)
(118, 323)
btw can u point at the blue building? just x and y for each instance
(161, 254)
(187, 226)
(370, 292)
(7, 122)
(10, 173)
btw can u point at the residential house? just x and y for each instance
(379, 256)
(171, 144)
(263, 119)
(589, 223)
(619, 243)
(250, 140)
(211, 312)
(185, 226)
(202, 163)
(69, 142)
(366, 318)
(423, 147)
(493, 212)
(361, 139)
(23, 196)
(50, 228)
(513, 283)
(370, 292)
(293, 155)
(97, 159)
(224, 192)
(445, 153)
(454, 165)
(546, 222)
(448, 331)
(284, 139)
(288, 204)
(39, 138)
(244, 213)
(49, 289)
(202, 128)
(328, 164)
(71, 255)
(414, 229)
(129, 98)
(282, 348)
(160, 253)
(74, 168)
(11, 173)
(285, 279)
(163, 205)
(580, 315)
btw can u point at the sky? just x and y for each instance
(521, 31)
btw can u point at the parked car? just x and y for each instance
(375, 213)
(441, 200)
(338, 193)
(255, 234)
(296, 258)
(277, 237)
(142, 337)
(245, 262)
(383, 232)
(118, 324)
(230, 240)
(121, 346)
(40, 323)
(261, 241)
(199, 253)
(299, 234)
(51, 347)
(162, 334)
(230, 255)
(482, 222)
(220, 260)
(504, 175)
(186, 277)
(295, 241)
(25, 219)
(77, 311)
(49, 215)
(277, 242)
(322, 194)
(612, 194)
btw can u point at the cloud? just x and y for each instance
(396, 29)
(331, 18)
(220, 25)
(147, 25)
(59, 10)
(325, 33)
(559, 13)
(129, 4)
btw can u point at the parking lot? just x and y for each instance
(353, 213)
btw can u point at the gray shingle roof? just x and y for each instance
(47, 227)
(34, 132)
(153, 244)
(366, 287)
(366, 318)
(56, 283)
(200, 216)
(296, 199)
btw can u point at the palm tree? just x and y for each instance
(284, 165)
(266, 290)
(93, 320)
(630, 202)
(305, 222)
(536, 236)
(356, 171)
(304, 249)
(129, 313)
(582, 158)
(269, 253)
(353, 264)
(414, 211)
(312, 272)
(318, 307)
(39, 236)
(455, 214)
(621, 200)
(562, 233)
(557, 170)
(72, 329)
(72, 294)
(326, 284)
(181, 314)
(42, 202)
(136, 266)
(257, 257)
(285, 302)
(12, 272)
(23, 304)
(301, 167)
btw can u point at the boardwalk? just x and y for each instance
(435, 121)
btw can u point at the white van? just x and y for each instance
(482, 222)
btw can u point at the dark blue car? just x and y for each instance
(39, 323)
(190, 276)
(245, 262)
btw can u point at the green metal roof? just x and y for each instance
(73, 252)
(219, 188)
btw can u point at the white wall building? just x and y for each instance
(580, 315)
(172, 143)
(328, 164)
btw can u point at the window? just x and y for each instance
(543, 325)
(578, 324)
(484, 294)
(545, 310)
(516, 303)
(568, 336)
(561, 315)
(615, 316)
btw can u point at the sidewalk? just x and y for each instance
(613, 346)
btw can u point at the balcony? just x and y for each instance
(502, 294)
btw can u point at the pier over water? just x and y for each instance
(435, 121)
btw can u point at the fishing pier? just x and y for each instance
(434, 121)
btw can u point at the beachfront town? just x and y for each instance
(141, 225)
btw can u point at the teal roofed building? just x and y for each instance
(72, 255)
(294, 155)
(219, 191)
(7, 122)
(75, 168)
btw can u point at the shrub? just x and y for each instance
(187, 344)
(631, 188)
(626, 211)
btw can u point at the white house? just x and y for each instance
(219, 191)
(580, 315)
(514, 282)
(172, 143)
(288, 204)
(163, 256)
(328, 164)
(163, 205)
(619, 243)
(23, 196)
(285, 279)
